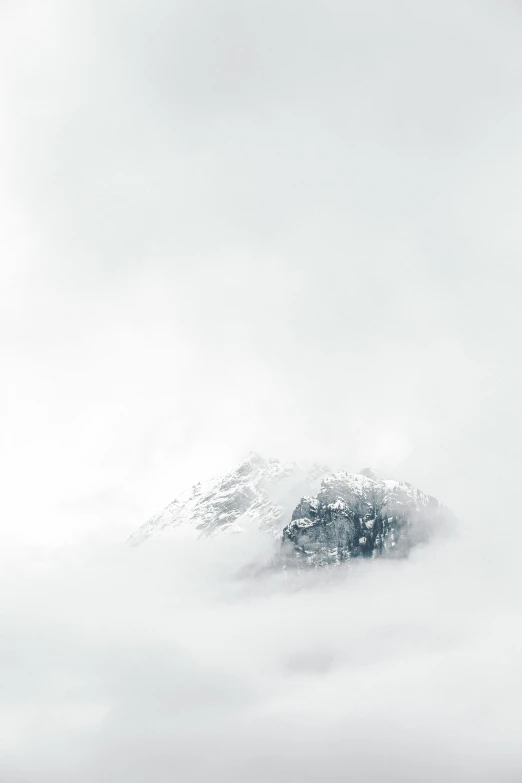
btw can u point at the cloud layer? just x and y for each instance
(162, 663)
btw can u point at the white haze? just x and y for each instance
(162, 664)
(285, 226)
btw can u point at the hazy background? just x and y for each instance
(285, 226)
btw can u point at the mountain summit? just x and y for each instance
(259, 492)
(320, 517)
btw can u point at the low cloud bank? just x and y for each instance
(163, 663)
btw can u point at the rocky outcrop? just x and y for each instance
(356, 515)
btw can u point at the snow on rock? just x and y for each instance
(356, 515)
(259, 492)
(321, 518)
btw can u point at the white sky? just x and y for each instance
(287, 227)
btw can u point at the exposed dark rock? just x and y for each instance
(355, 515)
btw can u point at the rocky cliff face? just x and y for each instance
(355, 515)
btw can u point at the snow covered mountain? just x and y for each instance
(320, 517)
(356, 515)
(259, 492)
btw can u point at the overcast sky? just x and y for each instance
(290, 227)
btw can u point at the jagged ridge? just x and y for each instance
(336, 516)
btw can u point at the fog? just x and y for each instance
(162, 664)
(288, 227)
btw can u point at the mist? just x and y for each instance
(161, 663)
(284, 227)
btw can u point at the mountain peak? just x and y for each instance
(258, 492)
(320, 517)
